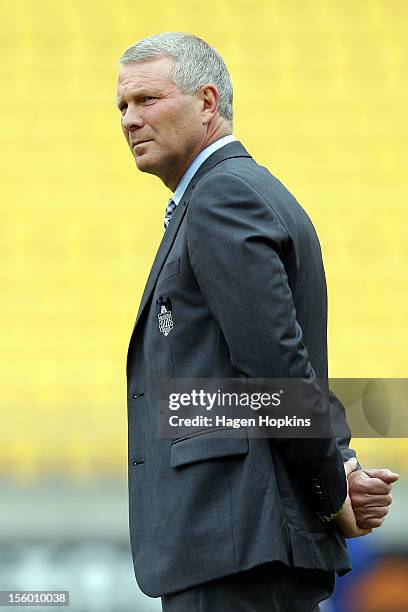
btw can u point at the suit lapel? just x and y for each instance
(234, 149)
(162, 252)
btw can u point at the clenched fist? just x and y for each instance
(370, 495)
(345, 520)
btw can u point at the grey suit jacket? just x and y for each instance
(242, 266)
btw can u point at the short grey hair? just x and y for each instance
(195, 63)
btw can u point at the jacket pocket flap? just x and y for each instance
(207, 445)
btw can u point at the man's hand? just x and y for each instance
(370, 494)
(345, 521)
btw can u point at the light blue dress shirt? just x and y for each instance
(196, 163)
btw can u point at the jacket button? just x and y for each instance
(135, 463)
(136, 395)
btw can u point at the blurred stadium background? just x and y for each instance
(320, 98)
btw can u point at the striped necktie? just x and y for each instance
(171, 207)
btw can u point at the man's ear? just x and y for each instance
(209, 98)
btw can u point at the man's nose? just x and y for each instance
(132, 119)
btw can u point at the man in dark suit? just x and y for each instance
(237, 290)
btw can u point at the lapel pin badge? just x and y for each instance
(164, 310)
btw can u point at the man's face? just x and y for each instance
(163, 127)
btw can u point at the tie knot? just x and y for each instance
(170, 208)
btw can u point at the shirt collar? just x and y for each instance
(196, 163)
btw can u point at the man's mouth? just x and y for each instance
(134, 145)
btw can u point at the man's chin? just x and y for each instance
(144, 164)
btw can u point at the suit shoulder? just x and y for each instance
(240, 177)
(247, 173)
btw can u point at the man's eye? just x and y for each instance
(148, 98)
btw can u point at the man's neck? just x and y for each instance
(196, 164)
(218, 132)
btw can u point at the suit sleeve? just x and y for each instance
(236, 245)
(341, 429)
